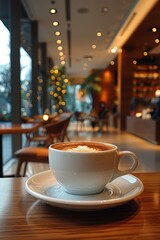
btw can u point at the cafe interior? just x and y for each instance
(86, 71)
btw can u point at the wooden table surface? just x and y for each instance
(24, 217)
(10, 128)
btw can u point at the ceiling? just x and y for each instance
(79, 22)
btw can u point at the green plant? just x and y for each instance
(91, 83)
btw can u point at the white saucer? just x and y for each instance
(44, 186)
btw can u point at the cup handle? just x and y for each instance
(120, 154)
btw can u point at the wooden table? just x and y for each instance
(9, 128)
(24, 217)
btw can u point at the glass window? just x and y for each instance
(5, 84)
(26, 88)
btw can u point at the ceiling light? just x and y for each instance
(112, 62)
(99, 34)
(145, 53)
(93, 46)
(59, 41)
(156, 40)
(55, 24)
(57, 33)
(104, 9)
(60, 48)
(60, 53)
(53, 11)
(114, 50)
(154, 29)
(134, 62)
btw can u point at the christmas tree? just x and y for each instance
(58, 88)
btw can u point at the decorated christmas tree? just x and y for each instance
(58, 89)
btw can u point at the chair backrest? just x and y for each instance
(27, 120)
(59, 127)
(64, 115)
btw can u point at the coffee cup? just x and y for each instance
(87, 167)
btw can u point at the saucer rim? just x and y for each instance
(76, 203)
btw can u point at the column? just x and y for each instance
(15, 69)
(34, 40)
(44, 74)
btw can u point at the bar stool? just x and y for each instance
(30, 154)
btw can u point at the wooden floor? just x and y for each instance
(148, 153)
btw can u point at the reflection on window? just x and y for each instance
(26, 88)
(5, 83)
(5, 86)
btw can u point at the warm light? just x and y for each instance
(55, 24)
(145, 53)
(57, 33)
(114, 49)
(59, 41)
(112, 62)
(60, 53)
(63, 91)
(154, 29)
(138, 114)
(105, 9)
(45, 117)
(60, 48)
(156, 40)
(157, 93)
(53, 11)
(62, 62)
(53, 77)
(51, 71)
(99, 34)
(93, 46)
(134, 62)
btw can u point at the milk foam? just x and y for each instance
(82, 149)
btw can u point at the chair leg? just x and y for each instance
(20, 162)
(25, 168)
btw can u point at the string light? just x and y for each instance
(58, 89)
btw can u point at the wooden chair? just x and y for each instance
(52, 132)
(56, 132)
(30, 154)
(79, 121)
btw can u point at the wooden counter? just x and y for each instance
(148, 129)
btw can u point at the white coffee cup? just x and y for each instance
(86, 167)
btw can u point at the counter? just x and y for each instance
(148, 129)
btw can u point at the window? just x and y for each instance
(5, 85)
(26, 88)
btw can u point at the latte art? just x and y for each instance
(90, 147)
(82, 149)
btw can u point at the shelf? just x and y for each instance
(146, 79)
